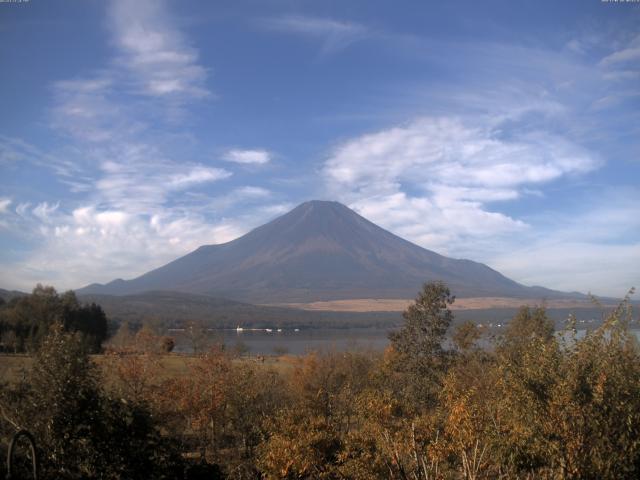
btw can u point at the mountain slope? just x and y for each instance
(318, 251)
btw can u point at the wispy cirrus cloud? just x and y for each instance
(247, 157)
(86, 110)
(621, 72)
(624, 55)
(334, 35)
(147, 184)
(155, 53)
(257, 198)
(113, 115)
(16, 151)
(153, 76)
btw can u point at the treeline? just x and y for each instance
(535, 405)
(175, 310)
(26, 320)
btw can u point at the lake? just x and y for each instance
(262, 342)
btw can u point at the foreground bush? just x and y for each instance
(81, 432)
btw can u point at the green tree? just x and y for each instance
(63, 404)
(26, 320)
(90, 320)
(419, 343)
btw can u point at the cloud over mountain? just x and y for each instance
(435, 179)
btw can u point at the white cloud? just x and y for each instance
(433, 179)
(253, 192)
(155, 52)
(22, 209)
(143, 180)
(247, 198)
(43, 211)
(154, 64)
(92, 245)
(15, 151)
(436, 181)
(622, 75)
(85, 111)
(335, 35)
(255, 157)
(621, 67)
(197, 175)
(4, 204)
(629, 53)
(119, 118)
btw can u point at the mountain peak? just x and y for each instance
(321, 204)
(318, 206)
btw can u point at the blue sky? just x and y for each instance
(131, 132)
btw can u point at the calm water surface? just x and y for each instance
(261, 342)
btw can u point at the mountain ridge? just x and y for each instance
(320, 250)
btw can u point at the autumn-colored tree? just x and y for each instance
(195, 403)
(254, 395)
(321, 413)
(466, 335)
(300, 447)
(389, 441)
(470, 423)
(525, 325)
(568, 407)
(133, 371)
(123, 339)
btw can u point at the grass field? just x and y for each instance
(399, 305)
(12, 367)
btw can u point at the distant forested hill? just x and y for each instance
(175, 308)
